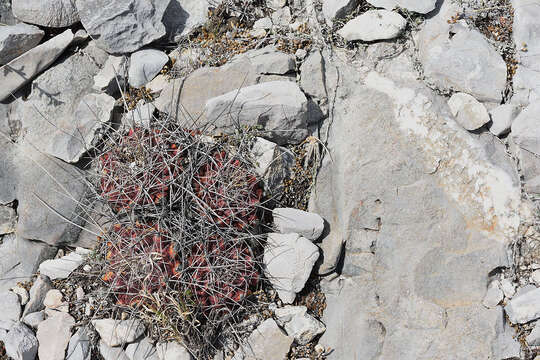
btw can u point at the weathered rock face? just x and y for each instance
(6, 14)
(50, 13)
(118, 332)
(419, 6)
(337, 9)
(17, 39)
(426, 213)
(144, 65)
(61, 116)
(266, 339)
(183, 16)
(123, 26)
(374, 25)
(23, 69)
(456, 57)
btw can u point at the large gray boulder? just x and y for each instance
(62, 115)
(420, 232)
(24, 68)
(123, 26)
(456, 57)
(18, 39)
(278, 107)
(49, 13)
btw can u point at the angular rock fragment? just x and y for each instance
(279, 107)
(502, 118)
(524, 308)
(111, 353)
(288, 259)
(123, 26)
(61, 268)
(24, 68)
(53, 335)
(8, 220)
(337, 9)
(79, 346)
(118, 332)
(142, 350)
(11, 307)
(374, 25)
(49, 13)
(111, 78)
(17, 39)
(303, 223)
(38, 291)
(20, 343)
(184, 16)
(298, 323)
(419, 6)
(173, 351)
(266, 339)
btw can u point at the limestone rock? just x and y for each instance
(469, 113)
(282, 17)
(506, 344)
(298, 323)
(524, 308)
(24, 68)
(142, 350)
(123, 26)
(264, 23)
(184, 16)
(61, 268)
(173, 351)
(61, 116)
(49, 13)
(19, 259)
(53, 301)
(190, 95)
(22, 294)
(38, 291)
(303, 223)
(494, 296)
(144, 65)
(524, 30)
(312, 81)
(53, 335)
(141, 115)
(79, 346)
(274, 165)
(111, 353)
(34, 319)
(456, 57)
(111, 78)
(288, 259)
(502, 117)
(266, 339)
(337, 9)
(20, 343)
(533, 339)
(8, 220)
(17, 39)
(11, 307)
(279, 107)
(374, 25)
(6, 15)
(419, 6)
(118, 332)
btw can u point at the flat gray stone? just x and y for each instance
(111, 78)
(20, 259)
(61, 116)
(123, 26)
(312, 76)
(17, 39)
(494, 296)
(22, 294)
(117, 332)
(418, 6)
(11, 307)
(49, 13)
(459, 58)
(38, 291)
(288, 260)
(53, 335)
(24, 68)
(20, 343)
(468, 111)
(374, 25)
(61, 268)
(144, 65)
(79, 346)
(279, 107)
(303, 223)
(266, 339)
(524, 307)
(8, 219)
(524, 30)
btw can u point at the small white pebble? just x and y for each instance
(87, 268)
(79, 293)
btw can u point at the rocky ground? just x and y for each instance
(393, 211)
